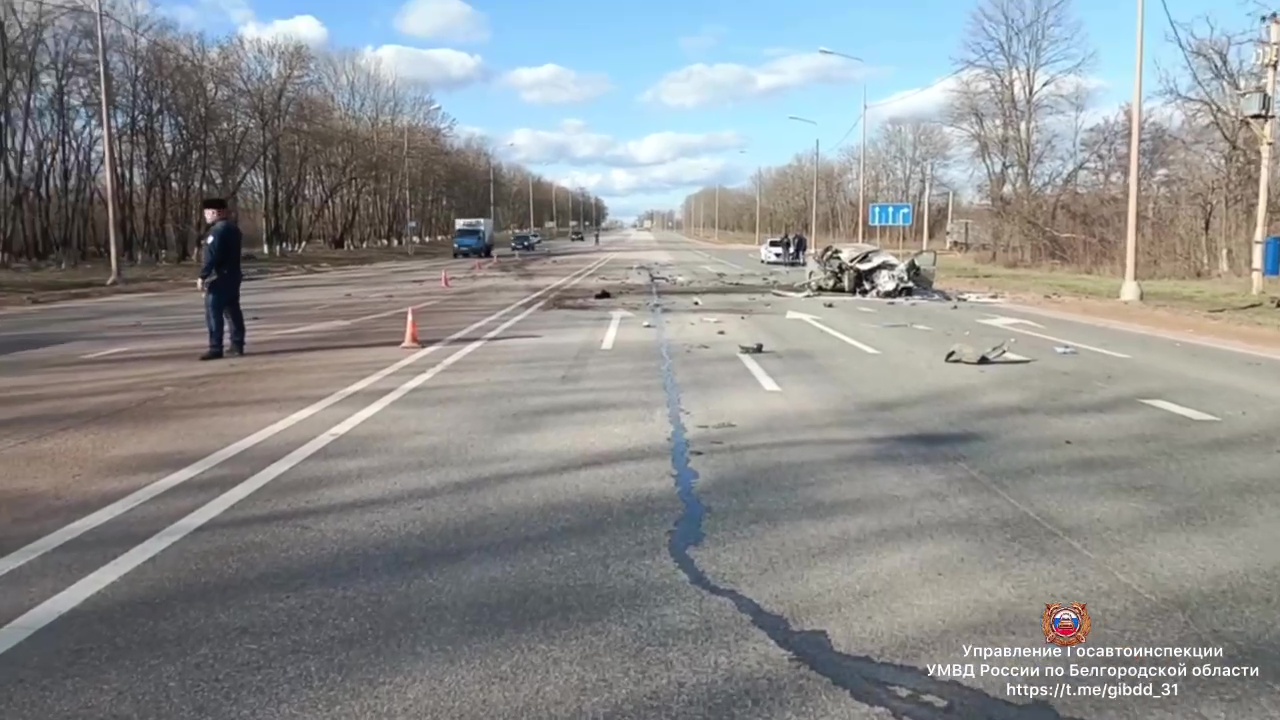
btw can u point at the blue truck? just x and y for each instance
(473, 237)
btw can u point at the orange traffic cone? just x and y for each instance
(410, 333)
(445, 282)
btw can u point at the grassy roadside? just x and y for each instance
(35, 286)
(1219, 299)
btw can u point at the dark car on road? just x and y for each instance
(576, 236)
(522, 242)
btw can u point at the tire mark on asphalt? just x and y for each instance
(906, 691)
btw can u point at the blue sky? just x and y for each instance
(621, 74)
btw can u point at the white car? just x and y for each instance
(535, 237)
(771, 252)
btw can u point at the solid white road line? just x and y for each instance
(759, 373)
(865, 309)
(710, 269)
(713, 258)
(57, 538)
(611, 334)
(1050, 338)
(331, 324)
(1182, 410)
(50, 610)
(104, 353)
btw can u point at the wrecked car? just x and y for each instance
(869, 271)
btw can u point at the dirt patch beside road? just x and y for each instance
(35, 285)
(1211, 308)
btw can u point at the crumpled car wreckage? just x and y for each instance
(868, 271)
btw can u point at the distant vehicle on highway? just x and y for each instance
(523, 242)
(473, 237)
(771, 252)
(576, 236)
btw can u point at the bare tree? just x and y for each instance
(316, 147)
(1040, 170)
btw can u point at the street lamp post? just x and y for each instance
(813, 222)
(715, 234)
(1130, 290)
(862, 153)
(108, 150)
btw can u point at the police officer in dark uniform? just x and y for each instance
(798, 246)
(220, 278)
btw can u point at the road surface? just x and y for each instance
(571, 506)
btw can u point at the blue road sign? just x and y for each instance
(891, 214)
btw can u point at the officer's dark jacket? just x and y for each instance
(222, 251)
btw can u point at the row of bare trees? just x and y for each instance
(316, 147)
(1037, 174)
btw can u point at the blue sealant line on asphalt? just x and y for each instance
(908, 692)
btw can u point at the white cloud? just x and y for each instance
(439, 68)
(705, 40)
(305, 29)
(930, 102)
(703, 85)
(574, 144)
(451, 20)
(683, 173)
(556, 85)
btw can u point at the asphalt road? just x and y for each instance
(550, 515)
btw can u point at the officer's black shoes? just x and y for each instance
(237, 351)
(211, 355)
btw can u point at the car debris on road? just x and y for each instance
(868, 271)
(968, 355)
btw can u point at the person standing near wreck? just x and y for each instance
(801, 243)
(220, 278)
(786, 248)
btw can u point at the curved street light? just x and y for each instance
(862, 153)
(813, 222)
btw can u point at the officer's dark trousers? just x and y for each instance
(222, 299)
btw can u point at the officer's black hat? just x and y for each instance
(213, 204)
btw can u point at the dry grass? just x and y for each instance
(36, 285)
(1223, 299)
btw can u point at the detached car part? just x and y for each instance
(868, 271)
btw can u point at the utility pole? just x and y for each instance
(758, 183)
(108, 150)
(408, 197)
(554, 220)
(862, 174)
(928, 189)
(950, 198)
(1271, 57)
(493, 205)
(530, 202)
(717, 213)
(813, 223)
(1130, 290)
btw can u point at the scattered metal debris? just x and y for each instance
(751, 349)
(710, 320)
(1064, 350)
(828, 304)
(980, 297)
(603, 295)
(647, 324)
(866, 270)
(968, 355)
